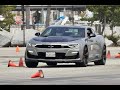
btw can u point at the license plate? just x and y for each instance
(50, 54)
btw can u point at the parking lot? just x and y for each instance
(62, 74)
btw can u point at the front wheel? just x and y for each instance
(84, 59)
(102, 61)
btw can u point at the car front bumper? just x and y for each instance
(61, 55)
(55, 60)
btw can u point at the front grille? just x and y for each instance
(51, 46)
(41, 55)
(58, 56)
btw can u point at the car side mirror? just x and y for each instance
(37, 34)
(92, 35)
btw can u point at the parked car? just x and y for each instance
(66, 44)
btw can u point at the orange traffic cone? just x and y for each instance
(21, 62)
(11, 64)
(108, 54)
(117, 56)
(17, 49)
(38, 74)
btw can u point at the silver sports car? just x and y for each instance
(66, 44)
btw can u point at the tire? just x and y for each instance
(31, 64)
(102, 61)
(51, 63)
(84, 59)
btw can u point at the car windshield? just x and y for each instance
(64, 31)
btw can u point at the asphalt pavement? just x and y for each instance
(62, 74)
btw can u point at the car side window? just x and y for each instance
(89, 31)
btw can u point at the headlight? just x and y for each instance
(30, 44)
(74, 45)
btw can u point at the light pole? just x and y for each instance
(23, 26)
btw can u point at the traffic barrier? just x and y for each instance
(21, 64)
(108, 54)
(117, 55)
(38, 74)
(11, 64)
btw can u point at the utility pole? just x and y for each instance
(48, 16)
(27, 17)
(23, 26)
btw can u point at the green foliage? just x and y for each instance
(99, 11)
(113, 38)
(5, 11)
(106, 14)
(89, 20)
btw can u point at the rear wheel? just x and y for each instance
(31, 64)
(84, 59)
(51, 63)
(102, 61)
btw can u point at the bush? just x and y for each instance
(113, 38)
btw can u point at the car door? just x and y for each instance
(97, 46)
(91, 44)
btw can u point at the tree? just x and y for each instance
(113, 20)
(100, 14)
(114, 17)
(5, 11)
(106, 14)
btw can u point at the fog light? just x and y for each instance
(30, 51)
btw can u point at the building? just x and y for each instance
(36, 14)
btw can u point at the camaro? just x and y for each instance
(66, 44)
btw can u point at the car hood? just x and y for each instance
(55, 39)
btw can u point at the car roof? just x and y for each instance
(73, 26)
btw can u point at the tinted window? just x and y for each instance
(64, 31)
